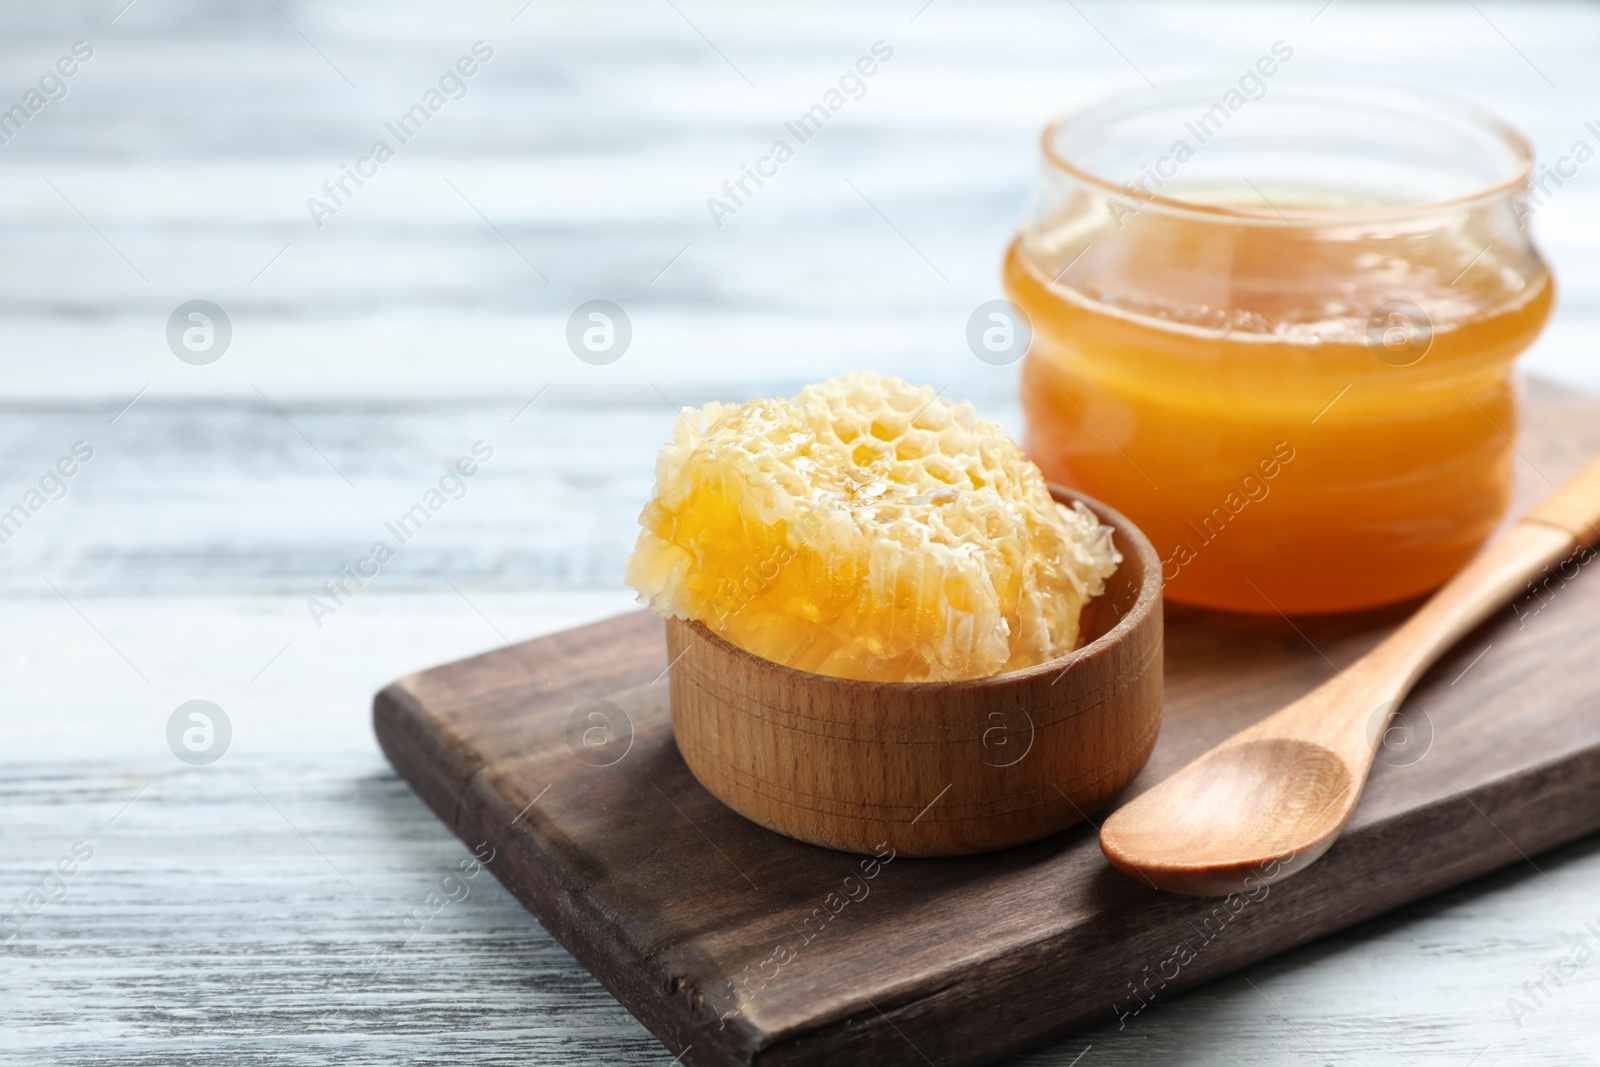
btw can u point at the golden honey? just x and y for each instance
(1276, 462)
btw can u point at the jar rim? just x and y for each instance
(1425, 104)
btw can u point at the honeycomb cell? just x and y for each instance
(866, 528)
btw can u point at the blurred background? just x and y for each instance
(375, 332)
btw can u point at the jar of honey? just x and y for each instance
(1275, 326)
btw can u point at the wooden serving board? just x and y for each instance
(737, 946)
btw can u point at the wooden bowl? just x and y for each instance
(931, 768)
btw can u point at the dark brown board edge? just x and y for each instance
(1007, 1005)
(413, 741)
(534, 862)
(416, 752)
(428, 749)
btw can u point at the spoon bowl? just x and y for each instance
(1243, 815)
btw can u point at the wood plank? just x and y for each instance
(680, 906)
(192, 142)
(212, 930)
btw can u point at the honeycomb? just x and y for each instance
(867, 529)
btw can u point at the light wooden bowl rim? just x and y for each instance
(1148, 600)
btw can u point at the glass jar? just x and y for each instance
(1279, 336)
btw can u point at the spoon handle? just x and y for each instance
(1574, 507)
(1519, 561)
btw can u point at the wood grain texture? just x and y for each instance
(212, 928)
(698, 920)
(195, 137)
(931, 768)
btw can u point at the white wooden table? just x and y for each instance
(230, 912)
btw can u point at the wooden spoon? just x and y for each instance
(1270, 800)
